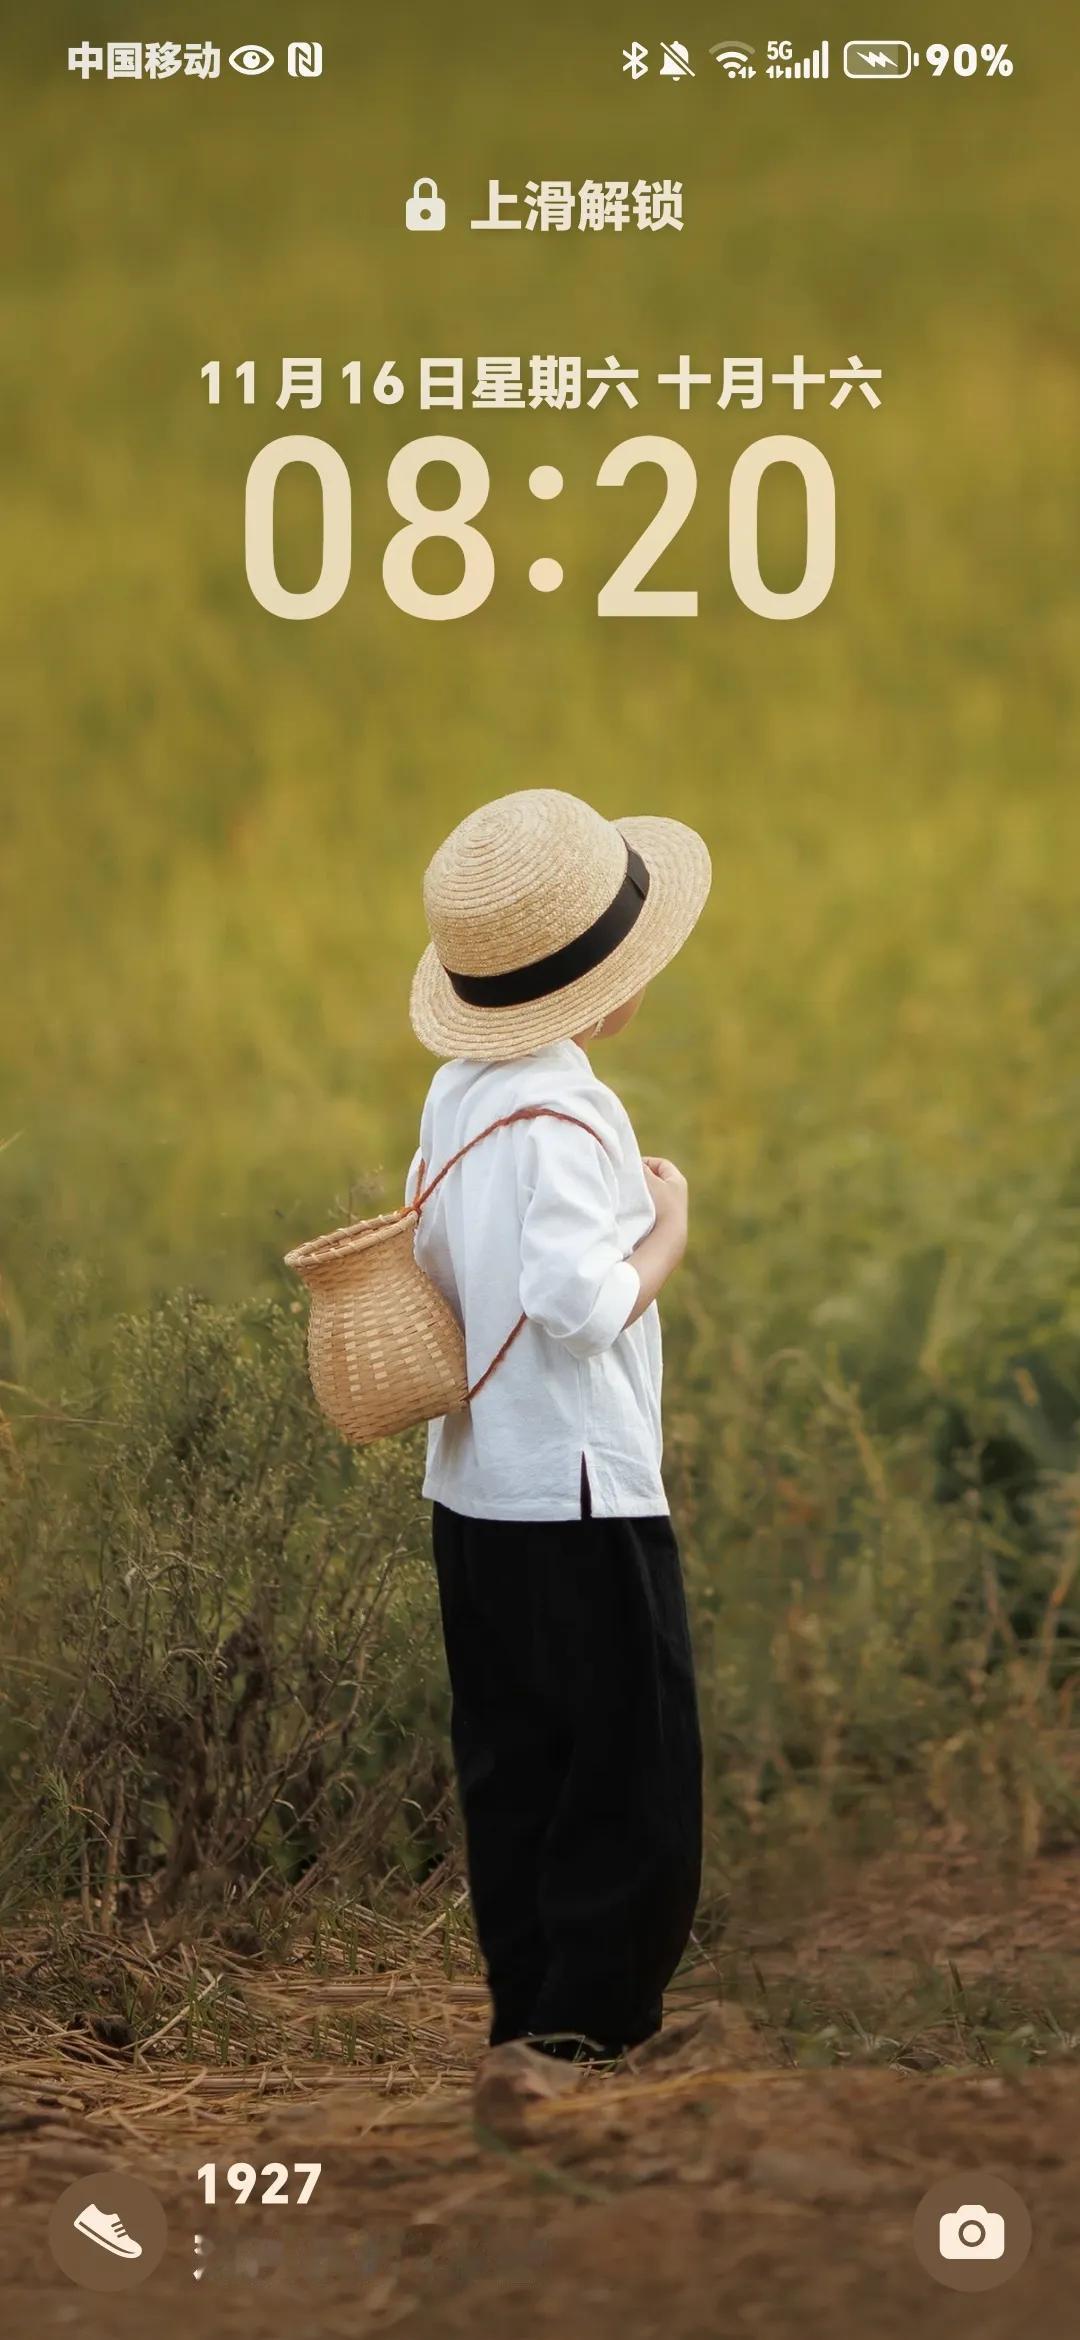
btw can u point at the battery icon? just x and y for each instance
(877, 60)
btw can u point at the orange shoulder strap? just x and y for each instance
(524, 1113)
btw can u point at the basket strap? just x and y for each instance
(524, 1113)
(497, 1358)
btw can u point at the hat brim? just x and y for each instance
(680, 874)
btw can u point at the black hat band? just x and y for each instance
(575, 959)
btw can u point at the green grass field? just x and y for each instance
(215, 823)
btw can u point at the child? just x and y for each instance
(574, 1721)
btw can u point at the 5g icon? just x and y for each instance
(305, 60)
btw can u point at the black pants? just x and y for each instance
(578, 1756)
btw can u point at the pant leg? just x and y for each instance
(621, 1861)
(510, 1749)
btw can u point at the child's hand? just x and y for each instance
(662, 1248)
(670, 1194)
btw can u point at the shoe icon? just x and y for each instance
(107, 2229)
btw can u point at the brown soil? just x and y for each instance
(715, 2191)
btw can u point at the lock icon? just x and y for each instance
(425, 208)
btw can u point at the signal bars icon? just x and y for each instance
(734, 58)
(815, 67)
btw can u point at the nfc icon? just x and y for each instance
(305, 60)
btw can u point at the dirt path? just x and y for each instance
(716, 2192)
(684, 2202)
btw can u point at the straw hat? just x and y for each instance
(545, 917)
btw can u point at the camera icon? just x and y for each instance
(971, 2233)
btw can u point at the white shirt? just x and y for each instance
(541, 1217)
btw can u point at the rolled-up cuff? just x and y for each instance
(618, 1295)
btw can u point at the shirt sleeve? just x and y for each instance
(411, 1182)
(575, 1282)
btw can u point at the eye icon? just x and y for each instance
(251, 59)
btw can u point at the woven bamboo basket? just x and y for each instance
(385, 1350)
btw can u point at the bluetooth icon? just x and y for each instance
(635, 60)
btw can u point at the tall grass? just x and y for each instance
(221, 1673)
(218, 1678)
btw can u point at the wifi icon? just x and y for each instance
(734, 58)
